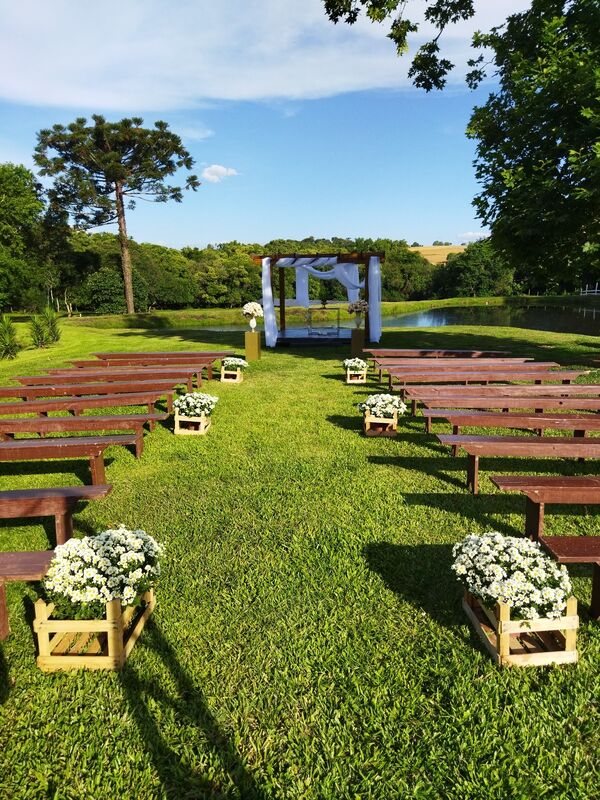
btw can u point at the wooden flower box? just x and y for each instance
(232, 375)
(356, 376)
(65, 644)
(524, 643)
(380, 426)
(191, 426)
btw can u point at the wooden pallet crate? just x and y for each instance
(524, 643)
(380, 426)
(356, 376)
(191, 426)
(232, 375)
(65, 644)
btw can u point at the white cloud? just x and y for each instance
(216, 172)
(473, 235)
(140, 56)
(195, 133)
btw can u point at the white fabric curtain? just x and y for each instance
(374, 299)
(268, 305)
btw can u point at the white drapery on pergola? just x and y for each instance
(345, 272)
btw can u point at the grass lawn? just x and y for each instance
(308, 640)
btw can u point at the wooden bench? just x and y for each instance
(547, 490)
(27, 566)
(91, 447)
(166, 354)
(203, 358)
(578, 423)
(433, 353)
(532, 374)
(76, 405)
(578, 550)
(517, 446)
(383, 363)
(539, 404)
(77, 389)
(57, 503)
(57, 377)
(104, 423)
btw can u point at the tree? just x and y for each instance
(538, 150)
(103, 168)
(428, 70)
(479, 271)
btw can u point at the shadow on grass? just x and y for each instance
(4, 678)
(46, 522)
(348, 423)
(79, 467)
(151, 699)
(419, 574)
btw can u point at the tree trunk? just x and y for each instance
(125, 255)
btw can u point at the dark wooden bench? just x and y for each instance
(114, 422)
(111, 375)
(578, 550)
(402, 376)
(26, 566)
(77, 389)
(381, 364)
(433, 353)
(539, 403)
(58, 503)
(203, 358)
(91, 447)
(517, 446)
(76, 405)
(578, 423)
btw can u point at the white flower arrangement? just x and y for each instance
(358, 307)
(355, 364)
(383, 405)
(232, 363)
(194, 404)
(507, 569)
(252, 310)
(117, 564)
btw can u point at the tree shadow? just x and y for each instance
(346, 423)
(151, 699)
(421, 575)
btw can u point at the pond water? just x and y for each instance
(560, 319)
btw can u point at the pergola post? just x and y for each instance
(282, 299)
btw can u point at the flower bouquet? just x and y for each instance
(356, 370)
(359, 308)
(100, 593)
(232, 369)
(192, 413)
(252, 311)
(512, 584)
(381, 412)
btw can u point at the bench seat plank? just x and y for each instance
(578, 423)
(433, 353)
(537, 403)
(108, 375)
(78, 404)
(25, 566)
(579, 550)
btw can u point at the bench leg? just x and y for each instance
(473, 473)
(139, 441)
(455, 432)
(427, 424)
(63, 526)
(170, 402)
(190, 384)
(97, 469)
(209, 372)
(595, 603)
(4, 626)
(151, 410)
(534, 519)
(414, 407)
(579, 435)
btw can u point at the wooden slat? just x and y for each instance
(141, 398)
(25, 566)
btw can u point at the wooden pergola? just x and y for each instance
(346, 258)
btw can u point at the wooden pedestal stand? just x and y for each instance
(252, 342)
(357, 344)
(191, 426)
(90, 643)
(524, 643)
(380, 426)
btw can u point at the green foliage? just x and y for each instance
(50, 318)
(9, 343)
(428, 69)
(104, 168)
(103, 293)
(38, 331)
(479, 271)
(538, 151)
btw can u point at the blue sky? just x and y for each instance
(299, 127)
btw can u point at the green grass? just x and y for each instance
(308, 640)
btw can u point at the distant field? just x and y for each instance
(438, 254)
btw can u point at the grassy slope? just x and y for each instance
(308, 640)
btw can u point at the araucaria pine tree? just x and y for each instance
(101, 169)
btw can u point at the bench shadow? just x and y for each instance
(151, 699)
(4, 678)
(421, 575)
(79, 467)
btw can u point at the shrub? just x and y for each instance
(39, 331)
(9, 344)
(50, 318)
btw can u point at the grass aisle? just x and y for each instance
(308, 640)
